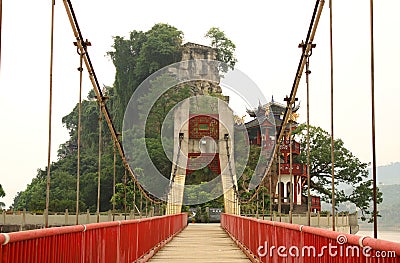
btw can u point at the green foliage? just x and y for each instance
(132, 196)
(251, 207)
(63, 185)
(64, 170)
(244, 182)
(89, 124)
(2, 193)
(158, 156)
(154, 121)
(389, 207)
(362, 197)
(194, 193)
(138, 57)
(349, 169)
(33, 198)
(200, 176)
(248, 170)
(224, 46)
(134, 59)
(161, 48)
(161, 106)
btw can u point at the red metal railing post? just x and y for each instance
(118, 241)
(307, 244)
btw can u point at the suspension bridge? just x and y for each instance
(168, 237)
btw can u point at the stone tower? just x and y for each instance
(190, 69)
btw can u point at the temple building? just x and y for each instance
(262, 131)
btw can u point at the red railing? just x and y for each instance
(119, 241)
(267, 241)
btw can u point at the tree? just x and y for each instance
(138, 57)
(161, 106)
(161, 48)
(134, 59)
(2, 193)
(224, 46)
(349, 170)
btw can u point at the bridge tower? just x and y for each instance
(203, 133)
(203, 138)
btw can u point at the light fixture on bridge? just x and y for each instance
(226, 136)
(181, 135)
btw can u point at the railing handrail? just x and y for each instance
(6, 238)
(114, 241)
(44, 232)
(361, 241)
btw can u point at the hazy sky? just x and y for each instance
(265, 32)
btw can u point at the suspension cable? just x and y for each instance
(78, 169)
(309, 39)
(146, 209)
(236, 196)
(50, 115)
(125, 179)
(134, 197)
(172, 179)
(308, 72)
(125, 194)
(93, 78)
(141, 204)
(173, 175)
(332, 128)
(291, 196)
(99, 166)
(270, 198)
(257, 204)
(114, 174)
(280, 194)
(263, 201)
(99, 95)
(375, 212)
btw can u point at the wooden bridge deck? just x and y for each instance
(201, 243)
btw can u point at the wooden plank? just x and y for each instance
(201, 243)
